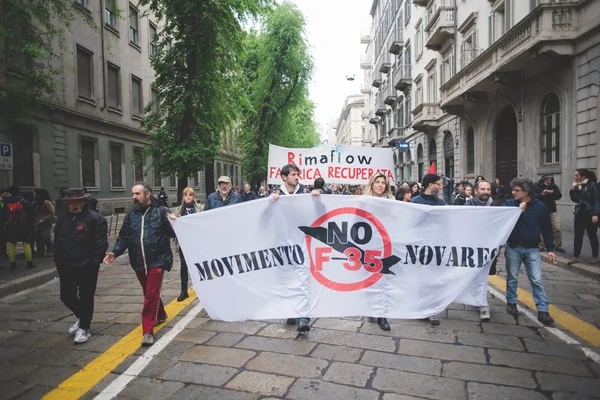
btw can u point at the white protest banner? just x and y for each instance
(336, 163)
(335, 256)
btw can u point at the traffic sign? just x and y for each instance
(6, 156)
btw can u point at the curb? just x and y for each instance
(579, 268)
(27, 282)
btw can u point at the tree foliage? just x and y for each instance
(278, 68)
(31, 35)
(199, 78)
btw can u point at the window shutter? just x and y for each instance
(491, 29)
(508, 15)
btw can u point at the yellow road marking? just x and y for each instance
(81, 382)
(584, 330)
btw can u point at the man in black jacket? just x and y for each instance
(548, 192)
(146, 233)
(80, 242)
(247, 194)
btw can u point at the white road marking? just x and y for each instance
(134, 370)
(555, 331)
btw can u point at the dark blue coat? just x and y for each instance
(532, 222)
(156, 234)
(428, 199)
(215, 200)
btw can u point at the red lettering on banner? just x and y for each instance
(291, 157)
(320, 258)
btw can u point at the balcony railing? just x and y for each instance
(468, 55)
(385, 65)
(440, 27)
(380, 108)
(376, 80)
(402, 76)
(397, 41)
(426, 116)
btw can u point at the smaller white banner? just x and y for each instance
(336, 163)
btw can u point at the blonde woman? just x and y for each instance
(189, 205)
(379, 186)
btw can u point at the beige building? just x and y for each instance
(501, 88)
(93, 137)
(350, 125)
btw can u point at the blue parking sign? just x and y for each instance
(5, 150)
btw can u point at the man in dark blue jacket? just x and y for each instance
(146, 233)
(522, 247)
(225, 196)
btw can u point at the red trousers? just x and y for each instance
(153, 305)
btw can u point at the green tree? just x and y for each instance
(278, 69)
(199, 78)
(29, 31)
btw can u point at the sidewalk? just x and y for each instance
(582, 267)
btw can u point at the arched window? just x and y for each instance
(550, 130)
(448, 155)
(433, 153)
(470, 159)
(420, 162)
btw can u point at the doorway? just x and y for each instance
(506, 146)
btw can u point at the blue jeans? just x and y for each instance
(533, 267)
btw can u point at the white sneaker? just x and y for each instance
(74, 328)
(484, 315)
(82, 336)
(147, 340)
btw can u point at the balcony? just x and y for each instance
(389, 95)
(440, 27)
(541, 41)
(365, 89)
(397, 41)
(402, 77)
(385, 66)
(376, 79)
(365, 62)
(394, 135)
(380, 108)
(365, 36)
(374, 120)
(425, 117)
(365, 115)
(420, 3)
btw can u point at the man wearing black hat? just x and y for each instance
(80, 242)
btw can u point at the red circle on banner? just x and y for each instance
(349, 287)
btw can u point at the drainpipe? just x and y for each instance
(455, 35)
(102, 7)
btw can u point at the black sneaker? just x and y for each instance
(434, 320)
(511, 308)
(303, 325)
(290, 321)
(383, 324)
(183, 296)
(545, 318)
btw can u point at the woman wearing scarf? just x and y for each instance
(379, 186)
(189, 205)
(585, 194)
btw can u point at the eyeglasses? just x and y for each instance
(516, 190)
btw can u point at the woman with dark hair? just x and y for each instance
(479, 179)
(189, 205)
(584, 194)
(414, 189)
(44, 219)
(404, 194)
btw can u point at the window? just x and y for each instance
(551, 130)
(139, 164)
(195, 181)
(172, 181)
(116, 166)
(468, 49)
(89, 163)
(420, 162)
(83, 3)
(470, 151)
(419, 94)
(136, 96)
(419, 39)
(431, 87)
(23, 158)
(447, 68)
(433, 153)
(157, 178)
(114, 87)
(134, 33)
(110, 15)
(400, 113)
(84, 74)
(407, 8)
(407, 110)
(155, 99)
(153, 40)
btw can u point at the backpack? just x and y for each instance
(16, 214)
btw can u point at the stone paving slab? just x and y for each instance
(305, 389)
(430, 387)
(419, 365)
(285, 364)
(258, 382)
(489, 374)
(217, 356)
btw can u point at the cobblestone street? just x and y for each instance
(348, 358)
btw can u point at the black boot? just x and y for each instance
(30, 265)
(184, 295)
(13, 266)
(383, 324)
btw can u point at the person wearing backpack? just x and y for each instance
(19, 217)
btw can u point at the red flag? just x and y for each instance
(432, 168)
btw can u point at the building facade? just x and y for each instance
(351, 125)
(499, 88)
(92, 137)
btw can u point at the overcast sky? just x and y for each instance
(333, 31)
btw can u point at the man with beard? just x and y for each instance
(146, 233)
(483, 193)
(224, 196)
(80, 242)
(290, 174)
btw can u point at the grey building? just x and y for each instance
(92, 137)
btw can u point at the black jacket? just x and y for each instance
(157, 231)
(18, 230)
(428, 199)
(248, 196)
(532, 222)
(548, 199)
(80, 240)
(586, 199)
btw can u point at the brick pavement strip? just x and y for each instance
(489, 374)
(539, 362)
(284, 364)
(287, 346)
(490, 340)
(479, 391)
(569, 384)
(257, 382)
(442, 351)
(419, 365)
(348, 374)
(217, 356)
(431, 387)
(201, 374)
(305, 389)
(337, 353)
